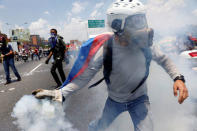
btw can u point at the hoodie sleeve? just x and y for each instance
(165, 62)
(81, 81)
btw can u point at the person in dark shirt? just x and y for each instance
(7, 55)
(58, 51)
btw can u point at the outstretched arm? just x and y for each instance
(82, 80)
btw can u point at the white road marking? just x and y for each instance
(35, 69)
(2, 91)
(11, 89)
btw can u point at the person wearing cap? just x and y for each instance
(7, 55)
(126, 56)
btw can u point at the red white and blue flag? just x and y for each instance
(87, 51)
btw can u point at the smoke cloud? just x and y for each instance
(167, 18)
(40, 115)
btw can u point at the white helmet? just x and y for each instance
(120, 10)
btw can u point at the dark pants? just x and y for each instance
(58, 64)
(10, 63)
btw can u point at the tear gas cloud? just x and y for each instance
(169, 18)
(40, 115)
(166, 17)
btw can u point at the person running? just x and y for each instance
(126, 56)
(58, 51)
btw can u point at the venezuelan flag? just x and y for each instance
(87, 51)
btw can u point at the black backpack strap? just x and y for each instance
(95, 84)
(148, 56)
(107, 62)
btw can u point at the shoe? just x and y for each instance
(18, 79)
(7, 82)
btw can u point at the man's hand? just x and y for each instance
(55, 95)
(2, 56)
(183, 92)
(47, 61)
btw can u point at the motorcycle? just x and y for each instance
(24, 57)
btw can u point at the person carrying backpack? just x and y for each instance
(126, 56)
(58, 51)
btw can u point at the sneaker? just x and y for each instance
(7, 82)
(18, 79)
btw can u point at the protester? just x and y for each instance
(36, 54)
(126, 57)
(8, 59)
(58, 51)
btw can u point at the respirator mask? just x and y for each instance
(136, 29)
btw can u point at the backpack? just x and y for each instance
(87, 51)
(107, 62)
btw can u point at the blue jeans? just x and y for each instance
(138, 110)
(10, 63)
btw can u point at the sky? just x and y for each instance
(70, 16)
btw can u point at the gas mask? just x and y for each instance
(143, 38)
(137, 32)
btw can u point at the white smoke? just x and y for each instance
(168, 18)
(165, 16)
(40, 115)
(167, 114)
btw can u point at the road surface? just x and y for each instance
(86, 105)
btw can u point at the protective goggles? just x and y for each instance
(136, 22)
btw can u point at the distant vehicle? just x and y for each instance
(25, 57)
(46, 52)
(191, 56)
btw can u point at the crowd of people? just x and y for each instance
(185, 42)
(31, 53)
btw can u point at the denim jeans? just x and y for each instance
(138, 110)
(10, 63)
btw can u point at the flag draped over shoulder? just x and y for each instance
(87, 51)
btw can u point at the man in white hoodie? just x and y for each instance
(128, 54)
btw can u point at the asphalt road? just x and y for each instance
(34, 75)
(86, 105)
